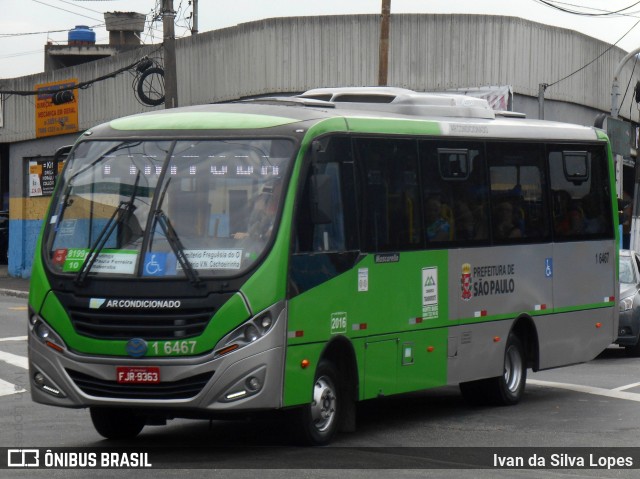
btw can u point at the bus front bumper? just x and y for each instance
(248, 379)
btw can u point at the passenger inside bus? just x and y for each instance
(465, 225)
(506, 224)
(438, 226)
(568, 218)
(263, 213)
(594, 221)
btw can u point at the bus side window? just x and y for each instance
(518, 199)
(580, 207)
(338, 233)
(330, 236)
(392, 207)
(454, 175)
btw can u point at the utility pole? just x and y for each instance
(383, 55)
(194, 26)
(542, 87)
(169, 42)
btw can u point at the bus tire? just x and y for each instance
(508, 389)
(319, 420)
(115, 423)
(504, 390)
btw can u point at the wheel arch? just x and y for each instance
(525, 328)
(341, 353)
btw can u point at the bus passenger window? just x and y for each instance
(330, 236)
(518, 199)
(453, 174)
(392, 206)
(580, 206)
(337, 234)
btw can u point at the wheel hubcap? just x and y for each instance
(513, 369)
(323, 407)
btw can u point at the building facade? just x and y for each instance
(291, 55)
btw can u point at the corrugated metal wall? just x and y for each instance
(428, 52)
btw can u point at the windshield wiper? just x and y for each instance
(159, 217)
(176, 245)
(62, 205)
(122, 212)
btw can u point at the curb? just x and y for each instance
(14, 293)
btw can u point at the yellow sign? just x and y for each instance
(54, 119)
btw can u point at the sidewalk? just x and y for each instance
(18, 287)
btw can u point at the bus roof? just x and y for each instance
(401, 111)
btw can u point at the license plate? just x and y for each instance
(137, 374)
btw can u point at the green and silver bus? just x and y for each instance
(306, 253)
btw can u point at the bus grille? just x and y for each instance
(144, 324)
(182, 389)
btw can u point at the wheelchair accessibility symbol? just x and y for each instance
(548, 267)
(152, 267)
(155, 264)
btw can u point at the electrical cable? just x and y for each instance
(606, 12)
(584, 14)
(81, 85)
(595, 59)
(65, 10)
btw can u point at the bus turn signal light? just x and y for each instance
(226, 350)
(598, 325)
(54, 346)
(304, 364)
(496, 339)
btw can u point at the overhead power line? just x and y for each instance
(603, 13)
(595, 59)
(10, 35)
(65, 10)
(80, 85)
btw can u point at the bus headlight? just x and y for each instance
(250, 333)
(245, 334)
(45, 333)
(42, 331)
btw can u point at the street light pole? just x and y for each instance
(615, 110)
(169, 42)
(615, 87)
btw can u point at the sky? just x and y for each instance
(27, 25)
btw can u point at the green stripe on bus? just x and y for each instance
(199, 121)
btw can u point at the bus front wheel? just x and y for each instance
(318, 421)
(114, 423)
(504, 390)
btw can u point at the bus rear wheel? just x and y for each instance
(504, 390)
(318, 421)
(115, 423)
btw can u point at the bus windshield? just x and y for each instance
(167, 209)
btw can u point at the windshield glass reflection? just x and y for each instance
(158, 209)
